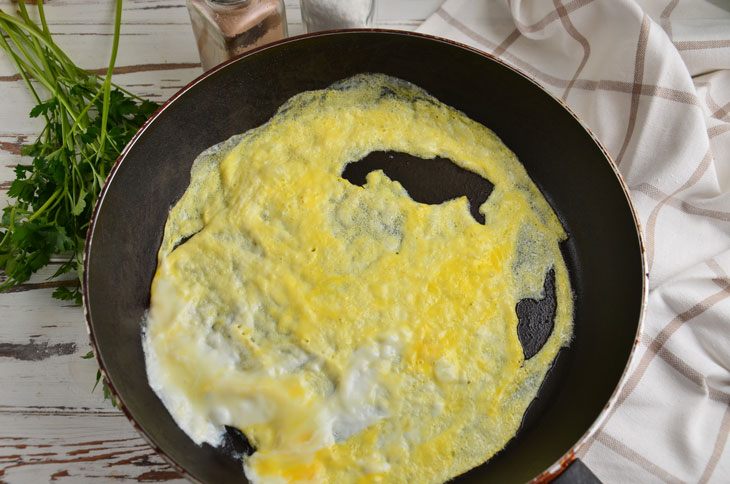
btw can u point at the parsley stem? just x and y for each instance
(36, 45)
(27, 25)
(17, 61)
(19, 41)
(42, 15)
(108, 79)
(24, 67)
(80, 120)
(45, 205)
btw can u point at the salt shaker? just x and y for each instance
(226, 28)
(337, 14)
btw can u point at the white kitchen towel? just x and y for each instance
(652, 80)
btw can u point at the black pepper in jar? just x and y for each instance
(227, 28)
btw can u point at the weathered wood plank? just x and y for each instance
(76, 448)
(52, 427)
(41, 344)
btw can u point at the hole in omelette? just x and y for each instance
(431, 181)
(535, 318)
(349, 332)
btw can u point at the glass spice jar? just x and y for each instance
(226, 28)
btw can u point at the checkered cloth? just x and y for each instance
(652, 80)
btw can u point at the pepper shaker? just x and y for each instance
(337, 14)
(226, 28)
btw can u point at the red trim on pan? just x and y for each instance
(563, 464)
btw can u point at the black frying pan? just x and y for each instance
(604, 250)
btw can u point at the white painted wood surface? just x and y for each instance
(52, 427)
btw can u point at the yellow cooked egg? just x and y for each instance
(352, 334)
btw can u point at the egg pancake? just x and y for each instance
(351, 333)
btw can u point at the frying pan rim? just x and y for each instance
(563, 462)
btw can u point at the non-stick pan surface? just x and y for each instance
(603, 252)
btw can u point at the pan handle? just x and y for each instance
(577, 473)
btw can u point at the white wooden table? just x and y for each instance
(52, 427)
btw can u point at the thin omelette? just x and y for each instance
(351, 333)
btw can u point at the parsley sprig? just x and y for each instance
(88, 121)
